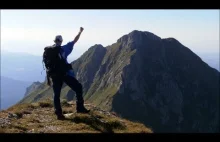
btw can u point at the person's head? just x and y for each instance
(58, 40)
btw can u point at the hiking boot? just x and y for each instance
(61, 117)
(82, 110)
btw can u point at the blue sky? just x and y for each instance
(31, 30)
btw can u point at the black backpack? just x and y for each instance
(54, 63)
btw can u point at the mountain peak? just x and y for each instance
(96, 46)
(37, 82)
(137, 35)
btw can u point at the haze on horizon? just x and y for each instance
(30, 31)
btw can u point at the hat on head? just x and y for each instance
(58, 38)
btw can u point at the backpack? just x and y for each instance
(54, 63)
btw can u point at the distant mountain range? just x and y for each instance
(12, 91)
(22, 66)
(145, 78)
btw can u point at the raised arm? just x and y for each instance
(69, 46)
(78, 35)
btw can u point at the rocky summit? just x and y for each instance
(142, 77)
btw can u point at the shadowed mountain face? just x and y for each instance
(168, 87)
(144, 78)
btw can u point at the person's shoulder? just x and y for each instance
(48, 47)
(70, 43)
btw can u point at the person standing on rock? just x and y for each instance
(59, 70)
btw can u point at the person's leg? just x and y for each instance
(57, 85)
(74, 84)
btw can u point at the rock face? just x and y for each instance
(156, 81)
(34, 86)
(87, 66)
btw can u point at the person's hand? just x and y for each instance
(81, 29)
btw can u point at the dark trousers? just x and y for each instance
(73, 84)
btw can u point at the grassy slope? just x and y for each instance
(116, 58)
(39, 118)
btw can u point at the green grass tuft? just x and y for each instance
(47, 103)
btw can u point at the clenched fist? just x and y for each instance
(81, 29)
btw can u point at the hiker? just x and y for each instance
(59, 71)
